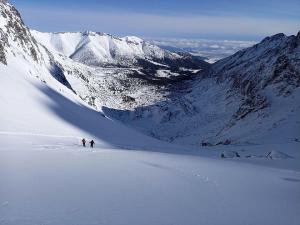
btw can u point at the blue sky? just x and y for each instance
(212, 19)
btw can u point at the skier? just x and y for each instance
(92, 143)
(83, 142)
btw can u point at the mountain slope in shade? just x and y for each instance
(250, 97)
(273, 62)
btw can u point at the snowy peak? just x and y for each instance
(63, 43)
(133, 39)
(276, 37)
(92, 48)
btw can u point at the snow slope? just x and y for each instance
(48, 178)
(129, 178)
(38, 101)
(54, 182)
(43, 106)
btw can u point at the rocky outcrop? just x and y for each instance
(3, 46)
(14, 33)
(16, 39)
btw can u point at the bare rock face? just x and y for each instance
(16, 39)
(3, 45)
(14, 33)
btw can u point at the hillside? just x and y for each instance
(36, 97)
(187, 105)
(251, 97)
(47, 177)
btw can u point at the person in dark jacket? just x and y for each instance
(83, 142)
(92, 143)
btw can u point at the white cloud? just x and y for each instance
(212, 50)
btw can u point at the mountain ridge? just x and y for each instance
(101, 49)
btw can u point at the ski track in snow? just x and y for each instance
(186, 174)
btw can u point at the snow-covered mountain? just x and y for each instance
(14, 36)
(173, 96)
(100, 49)
(18, 44)
(190, 102)
(36, 98)
(128, 72)
(96, 49)
(252, 96)
(272, 65)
